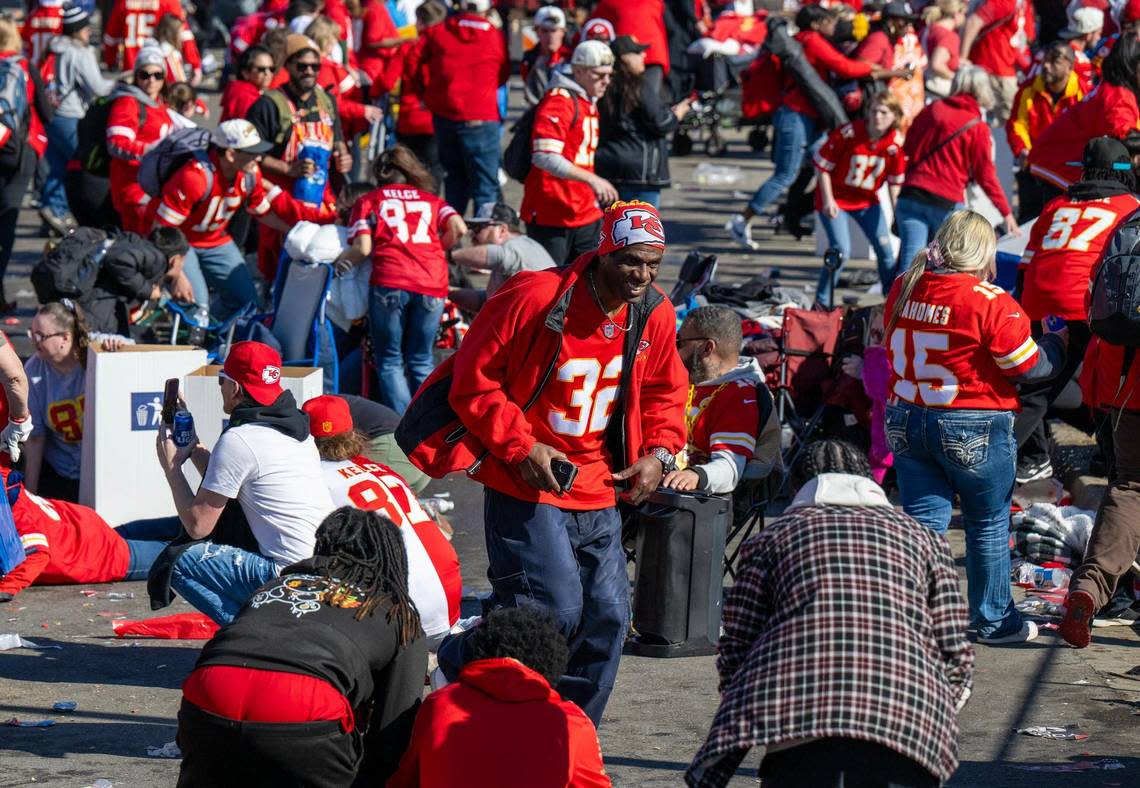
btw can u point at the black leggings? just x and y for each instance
(843, 763)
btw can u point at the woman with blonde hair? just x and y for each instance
(941, 42)
(957, 345)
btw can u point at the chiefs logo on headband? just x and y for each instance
(626, 224)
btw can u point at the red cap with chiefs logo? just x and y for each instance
(255, 367)
(628, 223)
(328, 416)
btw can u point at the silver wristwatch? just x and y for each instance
(668, 461)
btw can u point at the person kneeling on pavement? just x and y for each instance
(838, 575)
(262, 495)
(317, 680)
(728, 406)
(503, 714)
(356, 480)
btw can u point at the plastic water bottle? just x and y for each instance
(1052, 577)
(201, 319)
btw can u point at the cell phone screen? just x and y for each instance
(169, 401)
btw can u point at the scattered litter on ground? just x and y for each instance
(18, 723)
(10, 641)
(1082, 681)
(1101, 764)
(87, 592)
(64, 705)
(1066, 733)
(109, 614)
(11, 321)
(707, 174)
(168, 750)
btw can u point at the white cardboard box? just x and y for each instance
(120, 476)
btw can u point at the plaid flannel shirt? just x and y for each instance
(845, 621)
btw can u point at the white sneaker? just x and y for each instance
(741, 232)
(1027, 633)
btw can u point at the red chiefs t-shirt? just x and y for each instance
(725, 418)
(405, 225)
(574, 408)
(957, 343)
(43, 24)
(935, 36)
(204, 217)
(561, 202)
(1064, 250)
(860, 166)
(1008, 26)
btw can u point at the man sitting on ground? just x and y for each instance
(519, 654)
(264, 473)
(500, 247)
(726, 398)
(434, 581)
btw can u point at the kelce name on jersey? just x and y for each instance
(357, 470)
(926, 313)
(402, 194)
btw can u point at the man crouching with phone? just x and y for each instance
(570, 378)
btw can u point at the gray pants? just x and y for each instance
(384, 449)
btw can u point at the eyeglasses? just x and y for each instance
(307, 67)
(682, 340)
(39, 336)
(143, 76)
(262, 69)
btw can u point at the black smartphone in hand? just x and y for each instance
(564, 473)
(170, 401)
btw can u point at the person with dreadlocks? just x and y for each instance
(837, 599)
(958, 343)
(317, 680)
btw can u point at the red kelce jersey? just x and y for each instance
(859, 166)
(560, 202)
(405, 224)
(957, 342)
(1064, 250)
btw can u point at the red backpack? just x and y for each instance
(761, 86)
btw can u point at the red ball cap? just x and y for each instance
(257, 369)
(328, 416)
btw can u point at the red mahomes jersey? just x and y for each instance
(204, 217)
(561, 202)
(42, 25)
(725, 417)
(573, 410)
(433, 566)
(132, 22)
(1064, 250)
(405, 225)
(957, 342)
(858, 166)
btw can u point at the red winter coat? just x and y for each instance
(502, 359)
(504, 717)
(642, 19)
(466, 61)
(1108, 111)
(969, 157)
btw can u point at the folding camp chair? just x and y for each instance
(696, 272)
(299, 323)
(222, 331)
(807, 355)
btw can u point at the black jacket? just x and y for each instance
(127, 274)
(633, 148)
(288, 627)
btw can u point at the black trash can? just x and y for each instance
(680, 569)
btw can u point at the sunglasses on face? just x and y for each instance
(307, 67)
(148, 75)
(262, 69)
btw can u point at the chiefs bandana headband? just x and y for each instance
(628, 223)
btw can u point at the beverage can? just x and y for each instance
(1054, 323)
(183, 429)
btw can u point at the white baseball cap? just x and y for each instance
(239, 134)
(1082, 21)
(592, 54)
(550, 17)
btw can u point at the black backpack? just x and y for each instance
(517, 156)
(92, 153)
(70, 269)
(1114, 308)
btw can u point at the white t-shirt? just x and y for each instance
(433, 566)
(277, 481)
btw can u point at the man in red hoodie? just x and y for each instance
(566, 376)
(465, 61)
(517, 655)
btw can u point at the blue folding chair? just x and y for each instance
(222, 331)
(305, 335)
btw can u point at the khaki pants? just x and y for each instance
(1116, 536)
(384, 449)
(1005, 91)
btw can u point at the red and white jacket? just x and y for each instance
(130, 136)
(859, 166)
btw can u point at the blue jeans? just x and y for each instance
(918, 222)
(874, 225)
(571, 563)
(63, 139)
(145, 540)
(219, 579)
(972, 453)
(404, 327)
(220, 271)
(651, 197)
(469, 153)
(793, 133)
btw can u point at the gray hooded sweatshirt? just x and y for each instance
(77, 75)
